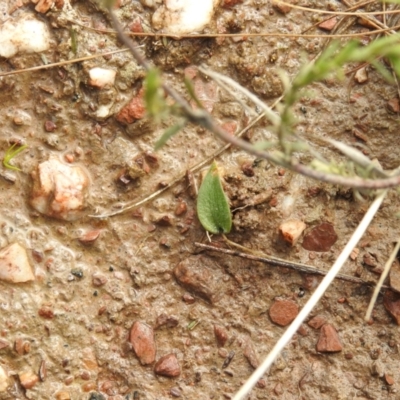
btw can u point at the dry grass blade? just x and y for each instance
(314, 299)
(382, 278)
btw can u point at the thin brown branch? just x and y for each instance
(287, 264)
(204, 119)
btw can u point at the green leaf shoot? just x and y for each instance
(11, 153)
(153, 94)
(212, 203)
(171, 131)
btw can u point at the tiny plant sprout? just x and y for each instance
(11, 153)
(212, 203)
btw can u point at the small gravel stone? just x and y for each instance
(370, 260)
(133, 111)
(389, 379)
(393, 105)
(28, 379)
(329, 24)
(98, 279)
(14, 264)
(188, 298)
(316, 322)
(251, 355)
(328, 341)
(168, 366)
(391, 301)
(320, 238)
(292, 230)
(193, 274)
(221, 335)
(169, 321)
(90, 236)
(283, 312)
(181, 208)
(283, 8)
(142, 339)
(50, 126)
(175, 392)
(59, 189)
(361, 75)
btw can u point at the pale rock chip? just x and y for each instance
(101, 77)
(14, 265)
(26, 35)
(181, 17)
(59, 189)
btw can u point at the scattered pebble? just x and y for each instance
(328, 341)
(181, 208)
(184, 16)
(46, 312)
(26, 35)
(283, 312)
(168, 366)
(59, 189)
(221, 335)
(142, 339)
(393, 105)
(283, 8)
(230, 3)
(43, 6)
(391, 301)
(90, 236)
(188, 298)
(133, 111)
(98, 279)
(63, 395)
(291, 230)
(320, 238)
(316, 322)
(389, 379)
(361, 76)
(175, 392)
(329, 24)
(354, 254)
(251, 355)
(28, 379)
(101, 77)
(194, 276)
(169, 321)
(4, 381)
(50, 126)
(370, 260)
(14, 264)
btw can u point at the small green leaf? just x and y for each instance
(11, 153)
(171, 131)
(212, 203)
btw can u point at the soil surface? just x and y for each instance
(127, 307)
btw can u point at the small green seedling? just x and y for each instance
(11, 153)
(212, 203)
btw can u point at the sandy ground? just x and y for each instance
(68, 333)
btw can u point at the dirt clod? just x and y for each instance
(143, 342)
(168, 366)
(328, 341)
(283, 312)
(195, 276)
(320, 238)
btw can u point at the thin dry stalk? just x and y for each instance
(314, 299)
(382, 278)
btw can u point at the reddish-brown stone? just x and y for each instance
(142, 340)
(329, 24)
(283, 312)
(168, 366)
(283, 8)
(394, 105)
(328, 341)
(230, 3)
(316, 322)
(220, 334)
(46, 312)
(320, 238)
(251, 355)
(133, 111)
